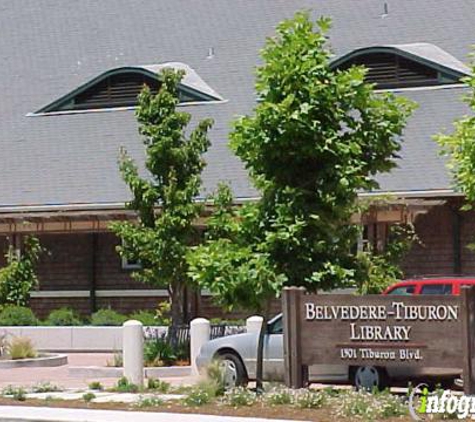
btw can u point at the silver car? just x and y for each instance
(238, 354)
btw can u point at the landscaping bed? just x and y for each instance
(325, 414)
(208, 397)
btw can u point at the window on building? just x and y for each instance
(388, 70)
(119, 88)
(405, 66)
(128, 264)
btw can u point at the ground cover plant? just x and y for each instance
(322, 405)
(45, 387)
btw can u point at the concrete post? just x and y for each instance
(199, 335)
(132, 332)
(254, 324)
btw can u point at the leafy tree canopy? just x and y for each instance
(460, 147)
(316, 137)
(165, 198)
(18, 277)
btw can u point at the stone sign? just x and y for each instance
(377, 330)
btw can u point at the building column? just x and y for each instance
(93, 272)
(456, 241)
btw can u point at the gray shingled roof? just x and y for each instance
(50, 47)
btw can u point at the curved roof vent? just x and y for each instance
(405, 65)
(120, 87)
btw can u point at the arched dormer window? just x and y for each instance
(119, 88)
(404, 66)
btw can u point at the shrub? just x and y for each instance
(369, 406)
(45, 387)
(157, 352)
(158, 385)
(12, 315)
(125, 386)
(216, 377)
(107, 317)
(63, 317)
(308, 399)
(198, 397)
(21, 348)
(88, 397)
(278, 396)
(147, 318)
(17, 393)
(163, 313)
(95, 385)
(239, 396)
(3, 344)
(149, 402)
(230, 322)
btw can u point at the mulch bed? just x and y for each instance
(270, 412)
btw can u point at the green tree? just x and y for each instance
(316, 137)
(459, 146)
(18, 277)
(164, 199)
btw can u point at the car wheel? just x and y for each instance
(369, 378)
(233, 369)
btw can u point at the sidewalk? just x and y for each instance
(61, 376)
(43, 414)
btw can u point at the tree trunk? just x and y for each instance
(176, 292)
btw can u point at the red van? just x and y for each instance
(429, 286)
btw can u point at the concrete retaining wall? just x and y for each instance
(72, 339)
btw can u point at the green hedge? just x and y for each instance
(11, 315)
(63, 317)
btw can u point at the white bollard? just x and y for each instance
(132, 347)
(254, 324)
(199, 335)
